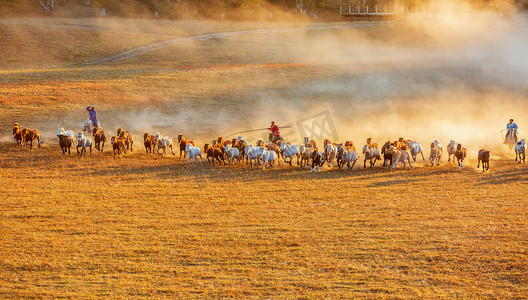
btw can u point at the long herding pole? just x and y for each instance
(259, 129)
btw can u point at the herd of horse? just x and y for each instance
(264, 152)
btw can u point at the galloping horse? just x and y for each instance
(510, 138)
(88, 127)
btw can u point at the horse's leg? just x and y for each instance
(365, 162)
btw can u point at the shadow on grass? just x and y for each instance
(505, 177)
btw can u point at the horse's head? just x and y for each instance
(80, 135)
(16, 128)
(365, 148)
(180, 137)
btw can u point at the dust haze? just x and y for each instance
(459, 76)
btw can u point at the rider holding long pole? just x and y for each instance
(512, 126)
(93, 116)
(275, 134)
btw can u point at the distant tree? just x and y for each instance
(303, 5)
(86, 2)
(48, 5)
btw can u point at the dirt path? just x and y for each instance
(203, 37)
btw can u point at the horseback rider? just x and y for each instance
(369, 142)
(93, 116)
(512, 126)
(274, 136)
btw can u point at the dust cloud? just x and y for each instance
(458, 76)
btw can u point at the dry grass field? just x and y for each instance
(140, 226)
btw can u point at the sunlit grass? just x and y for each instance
(155, 226)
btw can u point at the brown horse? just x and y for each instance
(183, 144)
(310, 143)
(127, 137)
(99, 138)
(17, 134)
(118, 144)
(460, 155)
(31, 135)
(214, 153)
(483, 156)
(149, 141)
(65, 143)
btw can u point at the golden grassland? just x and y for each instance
(139, 225)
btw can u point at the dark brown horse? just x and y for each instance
(386, 156)
(65, 143)
(99, 138)
(214, 153)
(483, 156)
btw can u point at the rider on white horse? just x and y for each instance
(93, 116)
(512, 126)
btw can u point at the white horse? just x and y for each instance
(371, 154)
(69, 133)
(435, 154)
(331, 153)
(268, 156)
(349, 156)
(193, 153)
(246, 151)
(84, 141)
(163, 142)
(289, 151)
(306, 154)
(520, 150)
(399, 156)
(451, 149)
(254, 154)
(232, 153)
(510, 138)
(415, 149)
(88, 127)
